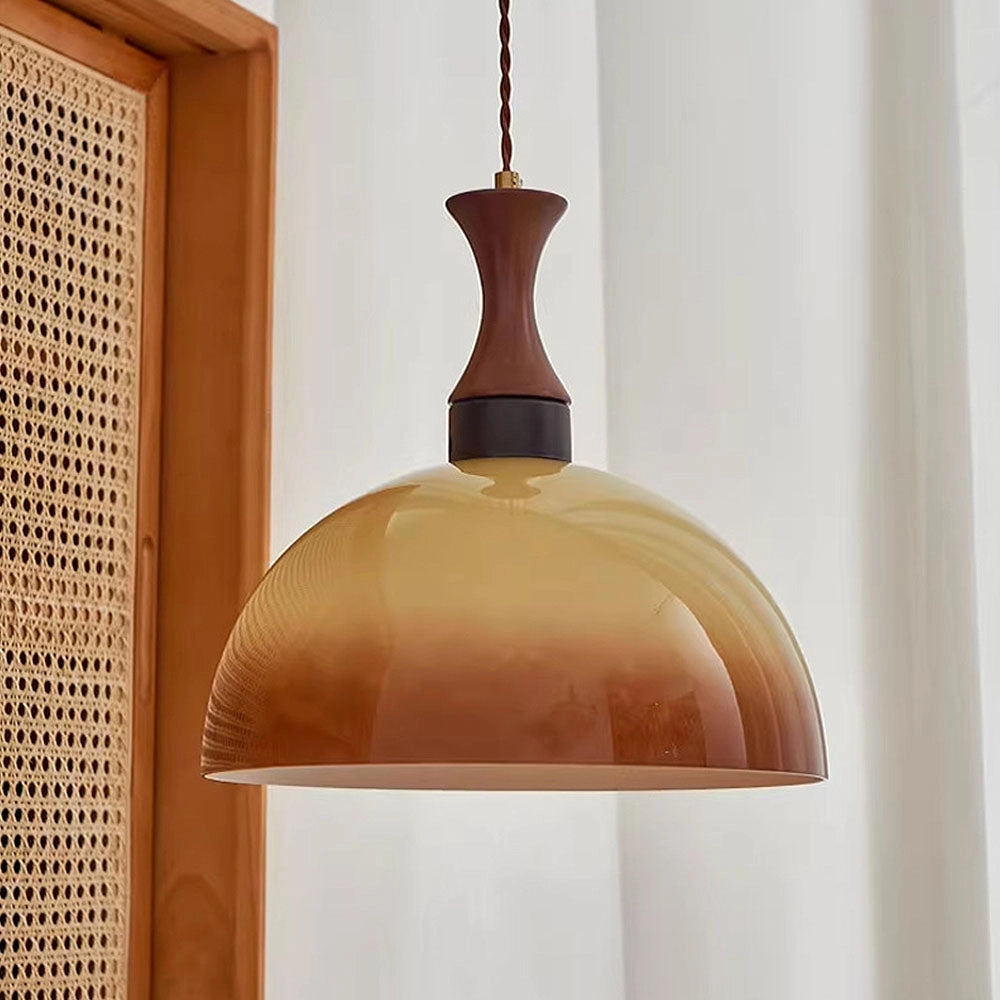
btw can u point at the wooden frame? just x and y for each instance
(209, 70)
(147, 541)
(208, 900)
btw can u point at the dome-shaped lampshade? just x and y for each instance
(512, 623)
(511, 620)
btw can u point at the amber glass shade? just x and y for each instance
(512, 623)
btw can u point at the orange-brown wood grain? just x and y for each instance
(128, 24)
(208, 895)
(173, 27)
(112, 57)
(196, 865)
(60, 31)
(147, 543)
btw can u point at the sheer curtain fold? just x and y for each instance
(818, 298)
(977, 75)
(925, 764)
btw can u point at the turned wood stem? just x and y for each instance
(507, 230)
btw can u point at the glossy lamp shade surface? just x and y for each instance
(512, 623)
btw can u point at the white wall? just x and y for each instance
(262, 8)
(386, 108)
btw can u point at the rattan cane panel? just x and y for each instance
(71, 182)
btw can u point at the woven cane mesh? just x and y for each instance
(71, 168)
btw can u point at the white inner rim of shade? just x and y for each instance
(513, 777)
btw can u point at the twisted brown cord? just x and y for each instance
(506, 146)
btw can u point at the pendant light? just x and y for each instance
(511, 620)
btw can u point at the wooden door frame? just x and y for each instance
(204, 880)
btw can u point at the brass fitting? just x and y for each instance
(506, 179)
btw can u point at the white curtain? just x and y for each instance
(977, 48)
(801, 227)
(776, 300)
